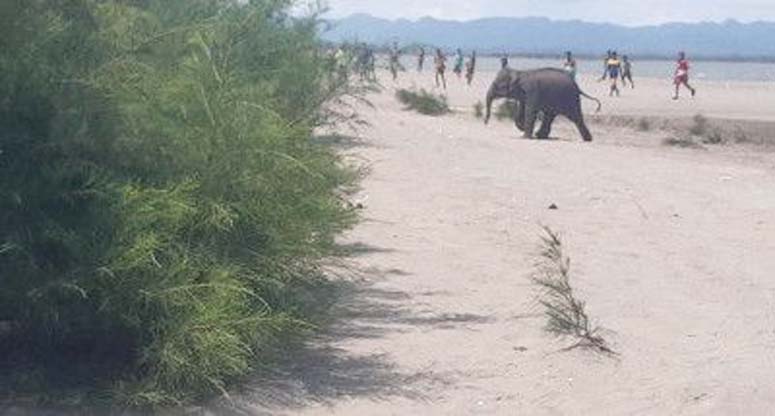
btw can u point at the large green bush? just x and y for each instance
(161, 197)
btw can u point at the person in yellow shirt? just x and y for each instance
(605, 65)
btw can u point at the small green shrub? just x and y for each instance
(479, 110)
(506, 110)
(423, 102)
(699, 125)
(741, 136)
(702, 128)
(714, 136)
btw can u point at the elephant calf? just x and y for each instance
(549, 91)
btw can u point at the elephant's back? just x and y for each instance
(555, 78)
(559, 92)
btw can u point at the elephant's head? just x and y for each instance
(506, 85)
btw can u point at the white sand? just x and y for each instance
(673, 250)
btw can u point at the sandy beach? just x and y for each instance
(673, 251)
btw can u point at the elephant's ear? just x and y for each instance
(515, 85)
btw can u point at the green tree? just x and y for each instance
(161, 196)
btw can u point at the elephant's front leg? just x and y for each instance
(519, 115)
(531, 113)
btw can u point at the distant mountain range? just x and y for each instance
(540, 36)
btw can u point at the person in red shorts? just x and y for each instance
(682, 75)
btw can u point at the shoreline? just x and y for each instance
(412, 49)
(644, 57)
(716, 71)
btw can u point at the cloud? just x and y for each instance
(628, 12)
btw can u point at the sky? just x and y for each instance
(625, 12)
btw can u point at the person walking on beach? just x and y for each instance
(570, 65)
(440, 62)
(605, 65)
(504, 61)
(341, 62)
(362, 62)
(395, 61)
(682, 75)
(627, 72)
(421, 59)
(614, 69)
(458, 69)
(471, 68)
(371, 64)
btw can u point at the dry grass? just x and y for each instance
(566, 314)
(741, 136)
(700, 125)
(643, 124)
(683, 142)
(714, 136)
(698, 132)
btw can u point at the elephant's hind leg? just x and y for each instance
(578, 119)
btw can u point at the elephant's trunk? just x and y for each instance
(490, 99)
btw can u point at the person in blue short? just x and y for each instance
(614, 70)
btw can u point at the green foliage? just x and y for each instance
(643, 124)
(699, 125)
(161, 199)
(478, 109)
(423, 102)
(742, 136)
(714, 136)
(506, 110)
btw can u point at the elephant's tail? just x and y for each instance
(599, 104)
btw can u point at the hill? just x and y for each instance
(729, 39)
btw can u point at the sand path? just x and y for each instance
(673, 250)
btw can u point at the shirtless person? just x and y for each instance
(682, 75)
(440, 61)
(395, 61)
(627, 72)
(471, 68)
